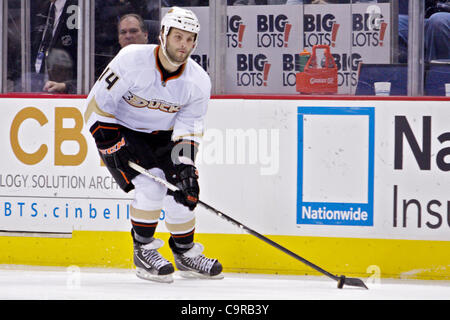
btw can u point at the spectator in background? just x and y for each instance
(436, 33)
(132, 30)
(437, 36)
(107, 14)
(54, 47)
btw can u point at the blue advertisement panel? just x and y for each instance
(335, 166)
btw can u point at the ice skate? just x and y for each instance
(150, 264)
(193, 264)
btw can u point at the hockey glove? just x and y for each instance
(113, 147)
(187, 182)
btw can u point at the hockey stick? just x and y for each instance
(341, 280)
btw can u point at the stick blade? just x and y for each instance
(354, 282)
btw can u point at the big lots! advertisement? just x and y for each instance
(263, 43)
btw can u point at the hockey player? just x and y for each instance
(148, 106)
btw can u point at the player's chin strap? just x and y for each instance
(341, 280)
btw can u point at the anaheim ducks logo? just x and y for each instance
(139, 102)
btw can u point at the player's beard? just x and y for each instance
(172, 55)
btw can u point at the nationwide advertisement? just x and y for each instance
(336, 165)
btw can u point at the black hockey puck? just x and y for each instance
(341, 281)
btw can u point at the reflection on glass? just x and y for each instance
(436, 43)
(254, 2)
(184, 3)
(14, 56)
(263, 42)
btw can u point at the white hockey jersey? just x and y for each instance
(130, 92)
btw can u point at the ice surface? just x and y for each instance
(41, 283)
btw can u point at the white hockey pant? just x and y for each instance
(151, 197)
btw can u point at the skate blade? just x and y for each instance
(196, 275)
(141, 273)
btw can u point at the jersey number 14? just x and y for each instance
(111, 79)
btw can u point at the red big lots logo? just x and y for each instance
(369, 30)
(319, 29)
(252, 70)
(235, 31)
(272, 31)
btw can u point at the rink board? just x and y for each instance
(367, 258)
(356, 186)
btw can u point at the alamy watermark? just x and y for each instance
(74, 17)
(73, 280)
(375, 274)
(256, 147)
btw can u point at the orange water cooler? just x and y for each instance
(318, 79)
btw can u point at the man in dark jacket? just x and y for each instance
(54, 46)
